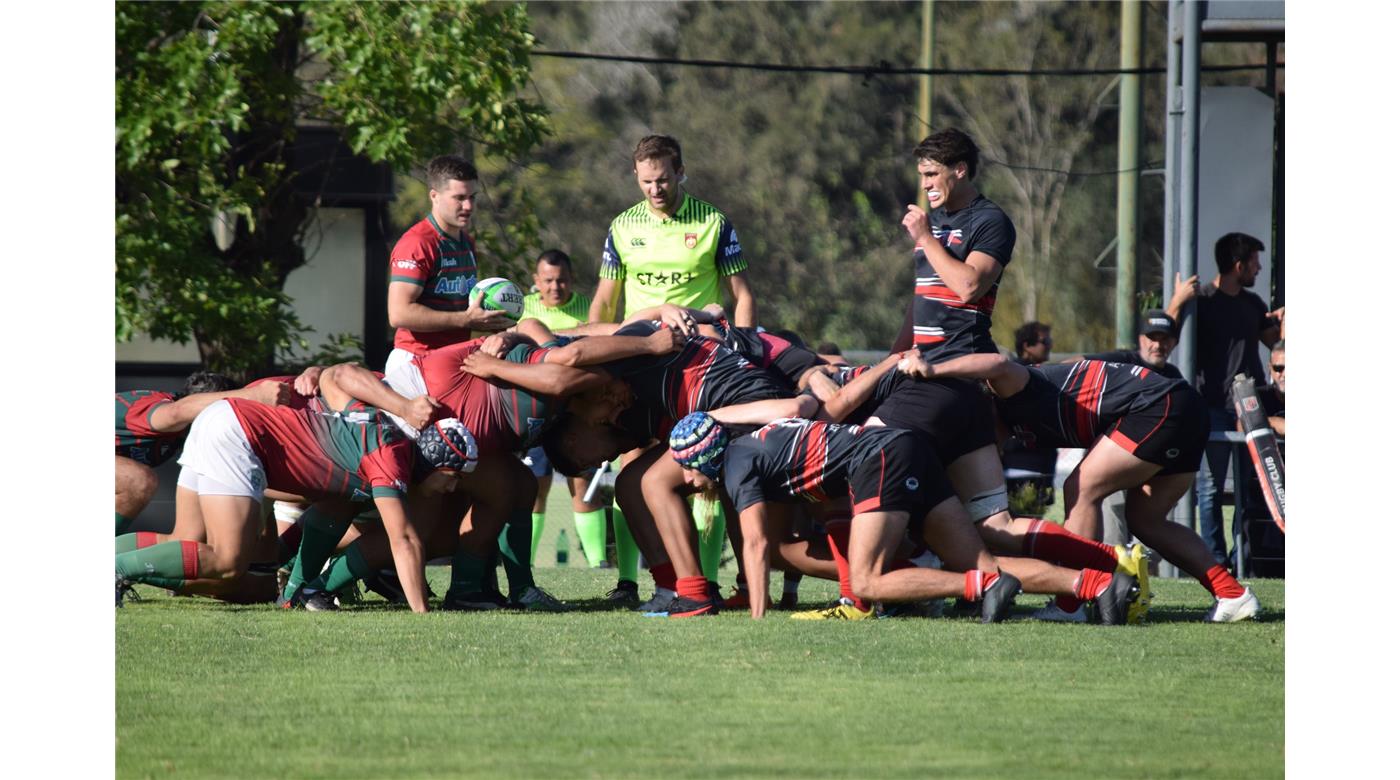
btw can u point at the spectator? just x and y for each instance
(1156, 339)
(1271, 397)
(1033, 343)
(1231, 323)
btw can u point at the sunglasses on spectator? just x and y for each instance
(1277, 366)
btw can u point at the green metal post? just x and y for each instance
(925, 111)
(1129, 161)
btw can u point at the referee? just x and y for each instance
(560, 308)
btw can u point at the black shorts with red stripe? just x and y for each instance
(903, 475)
(953, 413)
(1171, 432)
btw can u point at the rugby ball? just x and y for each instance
(499, 294)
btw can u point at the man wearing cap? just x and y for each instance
(1156, 340)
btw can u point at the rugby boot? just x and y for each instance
(997, 600)
(1113, 602)
(1242, 607)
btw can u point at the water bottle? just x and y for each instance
(561, 549)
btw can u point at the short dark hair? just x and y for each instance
(658, 147)
(950, 147)
(557, 450)
(1030, 332)
(447, 167)
(206, 382)
(557, 258)
(828, 348)
(1235, 248)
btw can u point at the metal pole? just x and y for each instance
(1182, 512)
(1190, 166)
(925, 127)
(1129, 160)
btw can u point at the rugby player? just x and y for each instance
(893, 481)
(433, 270)
(237, 448)
(151, 427)
(1144, 434)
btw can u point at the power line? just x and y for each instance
(881, 68)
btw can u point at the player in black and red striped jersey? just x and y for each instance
(894, 482)
(151, 428)
(1144, 433)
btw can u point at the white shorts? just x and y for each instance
(408, 382)
(217, 451)
(397, 358)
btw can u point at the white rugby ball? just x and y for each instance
(500, 294)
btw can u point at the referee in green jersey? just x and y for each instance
(669, 248)
(559, 307)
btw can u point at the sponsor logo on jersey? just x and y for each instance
(952, 237)
(408, 265)
(1173, 452)
(732, 249)
(639, 242)
(661, 280)
(691, 239)
(911, 484)
(449, 262)
(457, 285)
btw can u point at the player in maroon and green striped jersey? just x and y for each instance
(237, 448)
(151, 427)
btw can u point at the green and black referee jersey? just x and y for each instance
(678, 260)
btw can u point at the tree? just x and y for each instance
(209, 99)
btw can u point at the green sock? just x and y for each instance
(627, 552)
(126, 543)
(319, 536)
(536, 528)
(344, 569)
(592, 530)
(123, 523)
(467, 573)
(162, 565)
(515, 545)
(711, 543)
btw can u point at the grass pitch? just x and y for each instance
(211, 690)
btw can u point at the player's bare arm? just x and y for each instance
(856, 392)
(1182, 292)
(543, 378)
(753, 522)
(678, 318)
(604, 349)
(905, 339)
(177, 415)
(1006, 376)
(968, 280)
(407, 549)
(766, 411)
(346, 382)
(406, 312)
(744, 306)
(607, 300)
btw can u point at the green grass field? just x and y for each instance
(209, 690)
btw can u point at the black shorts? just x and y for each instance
(903, 476)
(954, 414)
(1172, 432)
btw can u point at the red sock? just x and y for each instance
(838, 538)
(1090, 584)
(975, 583)
(664, 574)
(1221, 583)
(189, 556)
(1050, 542)
(694, 588)
(144, 539)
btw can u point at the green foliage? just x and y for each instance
(209, 98)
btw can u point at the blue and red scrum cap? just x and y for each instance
(448, 445)
(698, 442)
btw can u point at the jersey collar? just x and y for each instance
(685, 203)
(433, 222)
